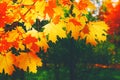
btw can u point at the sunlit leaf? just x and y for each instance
(97, 32)
(49, 9)
(42, 41)
(55, 30)
(7, 60)
(28, 61)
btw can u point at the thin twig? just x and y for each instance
(27, 11)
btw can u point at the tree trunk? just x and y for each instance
(57, 72)
(72, 63)
(72, 71)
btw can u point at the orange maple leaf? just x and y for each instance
(85, 30)
(7, 60)
(64, 2)
(28, 61)
(30, 43)
(29, 39)
(56, 19)
(75, 22)
(3, 17)
(42, 41)
(73, 26)
(82, 4)
(49, 9)
(4, 45)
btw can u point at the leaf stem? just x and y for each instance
(27, 11)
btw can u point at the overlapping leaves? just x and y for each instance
(21, 37)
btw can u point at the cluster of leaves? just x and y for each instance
(26, 27)
(110, 14)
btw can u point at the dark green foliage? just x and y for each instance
(39, 24)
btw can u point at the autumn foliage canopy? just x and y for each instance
(26, 27)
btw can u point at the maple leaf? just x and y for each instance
(64, 2)
(3, 44)
(56, 19)
(42, 41)
(73, 26)
(82, 4)
(29, 39)
(49, 9)
(30, 43)
(54, 30)
(85, 30)
(28, 61)
(1, 32)
(15, 37)
(27, 2)
(7, 60)
(75, 22)
(12, 36)
(35, 47)
(39, 8)
(96, 31)
(82, 7)
(60, 10)
(3, 8)
(3, 17)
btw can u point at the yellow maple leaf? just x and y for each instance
(74, 25)
(54, 30)
(27, 2)
(42, 42)
(12, 36)
(28, 61)
(7, 60)
(39, 8)
(16, 36)
(97, 32)
(59, 11)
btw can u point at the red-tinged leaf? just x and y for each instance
(64, 2)
(82, 4)
(7, 60)
(75, 22)
(49, 9)
(85, 30)
(42, 42)
(3, 8)
(56, 19)
(29, 39)
(4, 45)
(35, 48)
(3, 15)
(111, 17)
